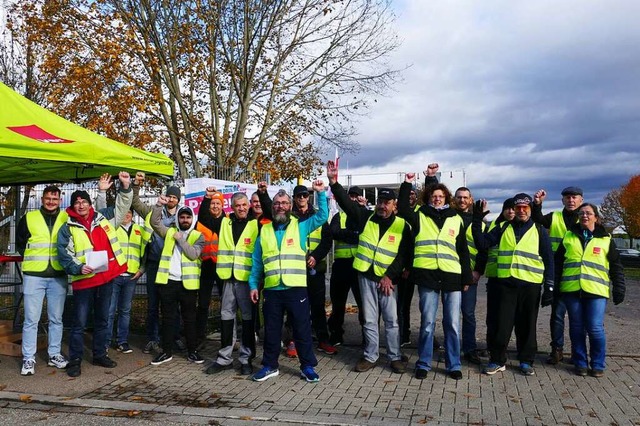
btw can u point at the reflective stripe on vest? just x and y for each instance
(436, 248)
(344, 250)
(41, 247)
(82, 245)
(586, 269)
(378, 251)
(521, 260)
(132, 246)
(557, 230)
(473, 251)
(288, 264)
(238, 257)
(313, 241)
(211, 242)
(190, 268)
(491, 270)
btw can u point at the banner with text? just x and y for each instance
(195, 191)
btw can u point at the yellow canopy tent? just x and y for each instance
(37, 146)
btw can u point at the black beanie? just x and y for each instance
(174, 190)
(84, 195)
(508, 204)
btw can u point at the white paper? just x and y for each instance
(98, 260)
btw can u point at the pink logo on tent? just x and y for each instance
(36, 133)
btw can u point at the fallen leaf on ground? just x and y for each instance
(25, 398)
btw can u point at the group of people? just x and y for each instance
(267, 260)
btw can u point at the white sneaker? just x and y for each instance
(28, 367)
(58, 361)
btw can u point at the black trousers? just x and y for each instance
(343, 279)
(405, 297)
(518, 308)
(493, 304)
(317, 290)
(174, 295)
(208, 278)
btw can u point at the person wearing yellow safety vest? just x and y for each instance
(178, 279)
(89, 251)
(441, 270)
(345, 233)
(384, 244)
(319, 244)
(153, 252)
(279, 257)
(238, 234)
(557, 223)
(525, 267)
(507, 214)
(586, 262)
(36, 237)
(210, 217)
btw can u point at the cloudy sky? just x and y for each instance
(521, 95)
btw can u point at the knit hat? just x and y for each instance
(174, 190)
(218, 196)
(522, 199)
(355, 190)
(83, 195)
(508, 204)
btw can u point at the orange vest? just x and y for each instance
(210, 249)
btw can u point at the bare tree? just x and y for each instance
(235, 85)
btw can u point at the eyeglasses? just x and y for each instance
(281, 203)
(302, 195)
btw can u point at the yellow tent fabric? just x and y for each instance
(38, 146)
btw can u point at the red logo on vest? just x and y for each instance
(452, 232)
(137, 232)
(392, 238)
(247, 241)
(289, 242)
(36, 133)
(596, 250)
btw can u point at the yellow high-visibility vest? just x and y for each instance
(236, 258)
(586, 268)
(287, 264)
(190, 268)
(379, 252)
(436, 248)
(521, 260)
(42, 245)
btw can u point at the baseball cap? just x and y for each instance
(300, 189)
(386, 194)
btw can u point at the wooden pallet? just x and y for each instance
(11, 343)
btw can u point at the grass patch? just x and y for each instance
(633, 273)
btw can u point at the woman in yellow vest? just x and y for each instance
(441, 269)
(586, 261)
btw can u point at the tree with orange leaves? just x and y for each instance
(223, 87)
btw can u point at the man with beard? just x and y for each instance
(89, 231)
(238, 235)
(383, 246)
(280, 257)
(525, 266)
(178, 278)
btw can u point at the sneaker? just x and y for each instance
(28, 367)
(493, 368)
(246, 369)
(327, 348)
(398, 366)
(596, 373)
(310, 375)
(58, 361)
(216, 368)
(405, 342)
(105, 362)
(290, 350)
(195, 358)
(421, 373)
(179, 345)
(580, 371)
(364, 365)
(472, 357)
(151, 346)
(455, 374)
(264, 374)
(161, 359)
(124, 348)
(336, 340)
(527, 369)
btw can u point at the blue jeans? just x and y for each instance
(375, 305)
(34, 290)
(121, 297)
(451, 301)
(586, 317)
(153, 303)
(468, 305)
(295, 302)
(556, 322)
(98, 298)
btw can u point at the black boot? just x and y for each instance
(249, 337)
